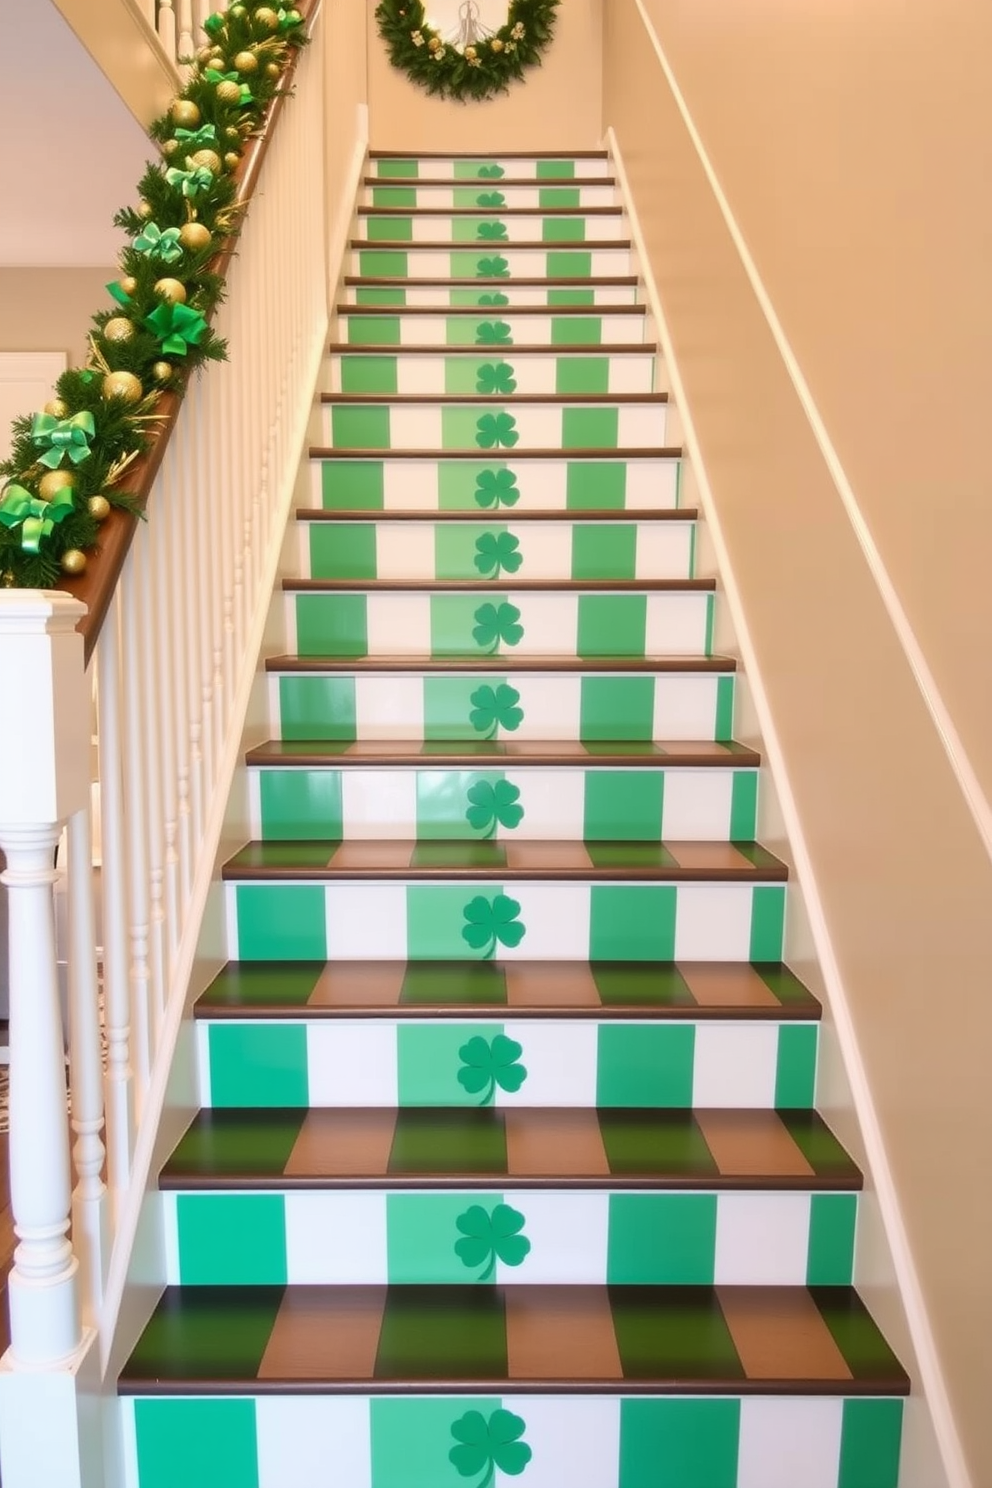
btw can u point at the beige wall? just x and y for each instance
(846, 161)
(50, 309)
(559, 107)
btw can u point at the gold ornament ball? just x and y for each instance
(232, 159)
(229, 92)
(207, 159)
(185, 113)
(266, 18)
(123, 385)
(496, 44)
(169, 148)
(203, 55)
(145, 209)
(72, 561)
(272, 69)
(194, 236)
(56, 408)
(246, 62)
(162, 371)
(231, 133)
(237, 11)
(118, 329)
(54, 481)
(171, 290)
(98, 508)
(217, 53)
(128, 284)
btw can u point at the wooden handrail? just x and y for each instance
(96, 586)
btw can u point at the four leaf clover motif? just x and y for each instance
(491, 199)
(495, 551)
(493, 333)
(487, 1238)
(485, 1445)
(495, 707)
(487, 1063)
(491, 232)
(491, 172)
(496, 488)
(495, 377)
(493, 803)
(496, 429)
(492, 268)
(494, 299)
(496, 623)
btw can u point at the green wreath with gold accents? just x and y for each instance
(480, 65)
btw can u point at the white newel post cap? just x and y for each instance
(45, 707)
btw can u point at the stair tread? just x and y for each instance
(490, 1148)
(501, 664)
(492, 281)
(512, 515)
(483, 183)
(485, 401)
(643, 990)
(492, 247)
(694, 755)
(371, 210)
(597, 1339)
(509, 860)
(506, 583)
(603, 452)
(486, 312)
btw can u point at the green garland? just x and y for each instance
(67, 462)
(478, 71)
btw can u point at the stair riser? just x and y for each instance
(383, 1063)
(591, 708)
(374, 1238)
(486, 198)
(585, 330)
(502, 263)
(587, 1441)
(489, 230)
(490, 169)
(509, 296)
(708, 805)
(499, 622)
(625, 485)
(556, 550)
(471, 426)
(402, 920)
(519, 374)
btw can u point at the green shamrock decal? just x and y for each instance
(495, 429)
(484, 1446)
(495, 623)
(493, 333)
(487, 1063)
(492, 268)
(495, 707)
(486, 923)
(496, 488)
(494, 299)
(491, 199)
(493, 803)
(491, 172)
(491, 232)
(495, 551)
(495, 377)
(491, 1237)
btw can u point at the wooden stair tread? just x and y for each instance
(501, 663)
(491, 312)
(593, 348)
(608, 210)
(488, 402)
(505, 582)
(512, 515)
(492, 248)
(655, 755)
(483, 183)
(486, 282)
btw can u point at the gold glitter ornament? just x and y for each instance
(123, 385)
(246, 62)
(266, 18)
(72, 561)
(170, 147)
(128, 284)
(185, 113)
(118, 328)
(171, 290)
(54, 481)
(56, 408)
(207, 159)
(194, 236)
(231, 160)
(145, 209)
(98, 508)
(162, 371)
(229, 92)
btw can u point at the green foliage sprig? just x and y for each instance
(476, 71)
(157, 328)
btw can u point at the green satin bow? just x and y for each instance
(205, 135)
(35, 518)
(157, 242)
(178, 328)
(120, 295)
(213, 76)
(58, 437)
(190, 183)
(288, 19)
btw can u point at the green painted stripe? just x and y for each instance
(634, 984)
(201, 1442)
(255, 1065)
(744, 794)
(301, 805)
(723, 723)
(379, 295)
(661, 1239)
(456, 1140)
(404, 168)
(681, 1335)
(468, 983)
(353, 485)
(795, 1077)
(645, 1065)
(214, 1245)
(870, 1444)
(830, 1256)
(819, 1146)
(343, 550)
(369, 374)
(856, 1334)
(248, 985)
(449, 1333)
(197, 1334)
(708, 642)
(786, 985)
(643, 1143)
(251, 1143)
(333, 625)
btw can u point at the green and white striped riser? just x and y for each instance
(420, 294)
(571, 326)
(604, 804)
(427, 547)
(551, 921)
(498, 267)
(491, 228)
(630, 482)
(309, 1237)
(490, 168)
(333, 1063)
(596, 703)
(526, 196)
(285, 1440)
(528, 622)
(510, 371)
(478, 424)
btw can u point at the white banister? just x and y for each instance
(166, 27)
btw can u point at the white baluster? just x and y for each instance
(167, 28)
(185, 46)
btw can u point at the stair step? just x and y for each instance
(532, 371)
(635, 421)
(507, 194)
(490, 269)
(496, 294)
(631, 481)
(463, 617)
(493, 227)
(594, 164)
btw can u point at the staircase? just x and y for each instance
(507, 1164)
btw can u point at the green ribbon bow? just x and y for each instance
(36, 518)
(58, 437)
(195, 138)
(178, 327)
(288, 19)
(213, 76)
(161, 243)
(190, 183)
(214, 24)
(120, 295)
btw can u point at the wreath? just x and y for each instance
(481, 63)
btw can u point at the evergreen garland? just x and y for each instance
(68, 463)
(474, 71)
